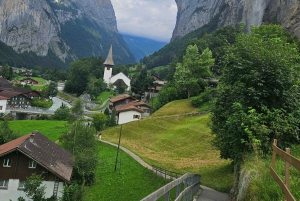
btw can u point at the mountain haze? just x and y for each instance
(70, 29)
(141, 47)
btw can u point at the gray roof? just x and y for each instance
(109, 60)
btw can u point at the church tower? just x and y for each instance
(109, 63)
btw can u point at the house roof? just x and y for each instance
(9, 94)
(120, 97)
(3, 98)
(23, 90)
(109, 60)
(28, 78)
(45, 152)
(134, 105)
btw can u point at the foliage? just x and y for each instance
(258, 95)
(62, 113)
(7, 72)
(6, 134)
(77, 108)
(112, 120)
(142, 83)
(33, 188)
(52, 89)
(41, 103)
(81, 142)
(95, 87)
(99, 121)
(204, 97)
(73, 192)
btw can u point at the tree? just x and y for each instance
(77, 108)
(258, 96)
(81, 142)
(33, 188)
(112, 120)
(6, 134)
(99, 121)
(5, 72)
(62, 113)
(52, 89)
(95, 87)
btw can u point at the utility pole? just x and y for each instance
(118, 148)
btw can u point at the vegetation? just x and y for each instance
(258, 96)
(6, 133)
(41, 103)
(131, 181)
(165, 141)
(51, 129)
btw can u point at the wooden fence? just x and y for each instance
(191, 184)
(289, 160)
(165, 173)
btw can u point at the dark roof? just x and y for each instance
(23, 90)
(45, 152)
(120, 97)
(134, 105)
(9, 94)
(4, 84)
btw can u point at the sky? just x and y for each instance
(153, 19)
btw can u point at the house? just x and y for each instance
(120, 100)
(3, 102)
(16, 99)
(118, 80)
(30, 93)
(133, 111)
(154, 90)
(33, 153)
(29, 80)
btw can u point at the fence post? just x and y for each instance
(167, 196)
(274, 154)
(287, 172)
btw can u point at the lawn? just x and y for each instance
(131, 181)
(181, 144)
(103, 96)
(51, 129)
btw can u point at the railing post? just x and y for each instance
(274, 154)
(287, 172)
(167, 196)
(178, 190)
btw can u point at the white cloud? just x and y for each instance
(154, 19)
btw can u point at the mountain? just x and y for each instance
(63, 29)
(194, 14)
(141, 47)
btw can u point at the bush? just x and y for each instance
(204, 97)
(41, 103)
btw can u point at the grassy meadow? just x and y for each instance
(51, 129)
(177, 143)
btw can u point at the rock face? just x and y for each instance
(42, 25)
(194, 14)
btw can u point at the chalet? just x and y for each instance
(3, 102)
(133, 111)
(118, 80)
(120, 100)
(29, 80)
(30, 93)
(16, 99)
(33, 153)
(154, 90)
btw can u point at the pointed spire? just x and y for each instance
(109, 60)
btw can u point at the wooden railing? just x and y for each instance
(289, 160)
(191, 184)
(165, 173)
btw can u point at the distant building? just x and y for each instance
(129, 109)
(3, 103)
(117, 80)
(154, 90)
(33, 153)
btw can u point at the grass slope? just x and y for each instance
(51, 129)
(177, 143)
(131, 181)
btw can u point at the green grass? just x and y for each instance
(102, 97)
(131, 181)
(37, 88)
(262, 186)
(51, 129)
(65, 97)
(181, 144)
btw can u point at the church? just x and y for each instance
(117, 80)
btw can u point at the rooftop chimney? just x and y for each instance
(31, 139)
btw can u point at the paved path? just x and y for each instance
(205, 194)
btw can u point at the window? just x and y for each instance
(0, 107)
(21, 185)
(3, 183)
(146, 110)
(7, 163)
(136, 116)
(32, 164)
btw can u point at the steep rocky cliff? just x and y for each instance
(194, 14)
(69, 28)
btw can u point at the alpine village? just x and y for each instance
(95, 108)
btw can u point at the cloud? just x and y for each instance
(154, 19)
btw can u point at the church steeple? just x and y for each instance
(109, 60)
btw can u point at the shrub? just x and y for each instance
(204, 97)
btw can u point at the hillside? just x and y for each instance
(178, 143)
(141, 47)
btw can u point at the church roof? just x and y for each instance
(109, 60)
